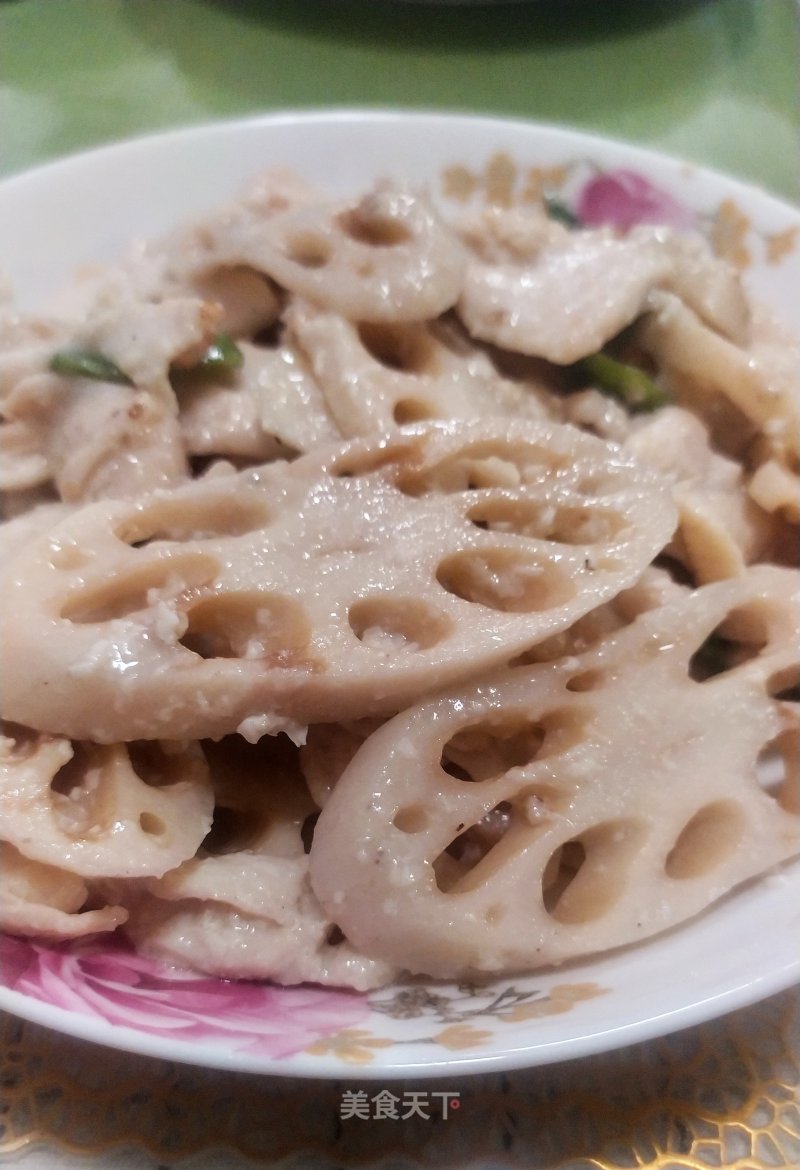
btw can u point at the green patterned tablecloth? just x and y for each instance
(715, 80)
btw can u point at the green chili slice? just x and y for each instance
(78, 362)
(558, 210)
(628, 383)
(222, 356)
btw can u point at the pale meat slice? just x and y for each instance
(340, 585)
(721, 528)
(540, 290)
(567, 304)
(244, 908)
(94, 439)
(89, 440)
(707, 284)
(749, 394)
(26, 345)
(624, 788)
(701, 367)
(270, 408)
(198, 925)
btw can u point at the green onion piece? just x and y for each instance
(628, 383)
(87, 363)
(222, 356)
(558, 210)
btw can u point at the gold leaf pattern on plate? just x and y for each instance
(353, 1045)
(729, 234)
(462, 1036)
(781, 244)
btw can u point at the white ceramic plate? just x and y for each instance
(747, 947)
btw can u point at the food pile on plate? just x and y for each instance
(390, 593)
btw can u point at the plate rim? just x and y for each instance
(353, 114)
(305, 1066)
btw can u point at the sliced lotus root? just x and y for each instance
(378, 376)
(102, 811)
(244, 908)
(386, 257)
(555, 811)
(344, 584)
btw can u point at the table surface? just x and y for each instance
(715, 81)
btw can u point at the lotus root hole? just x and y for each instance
(307, 831)
(587, 680)
(587, 875)
(75, 787)
(708, 839)
(505, 580)
(406, 349)
(567, 524)
(309, 249)
(354, 464)
(785, 685)
(201, 519)
(411, 410)
(718, 654)
(233, 830)
(477, 852)
(478, 466)
(137, 590)
(367, 225)
(156, 766)
(266, 627)
(414, 819)
(152, 825)
(778, 769)
(21, 742)
(397, 624)
(484, 751)
(594, 485)
(71, 776)
(334, 936)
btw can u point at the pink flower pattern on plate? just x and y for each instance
(623, 199)
(114, 984)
